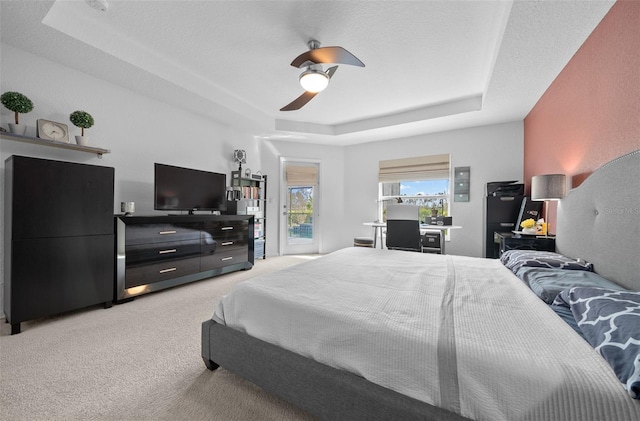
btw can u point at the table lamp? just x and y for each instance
(548, 187)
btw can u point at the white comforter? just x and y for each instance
(457, 332)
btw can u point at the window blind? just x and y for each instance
(431, 167)
(301, 175)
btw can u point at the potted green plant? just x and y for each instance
(83, 120)
(19, 104)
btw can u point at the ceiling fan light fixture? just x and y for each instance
(313, 80)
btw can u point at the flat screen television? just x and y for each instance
(186, 189)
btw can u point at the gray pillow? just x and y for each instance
(515, 259)
(547, 283)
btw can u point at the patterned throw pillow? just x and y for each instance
(610, 321)
(515, 259)
(548, 283)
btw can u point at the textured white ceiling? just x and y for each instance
(430, 65)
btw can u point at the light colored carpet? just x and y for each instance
(135, 361)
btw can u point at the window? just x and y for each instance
(422, 181)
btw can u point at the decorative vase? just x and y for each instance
(82, 140)
(19, 129)
(532, 231)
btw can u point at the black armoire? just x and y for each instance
(59, 238)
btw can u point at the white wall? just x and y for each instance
(138, 130)
(493, 152)
(349, 180)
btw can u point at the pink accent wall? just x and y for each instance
(591, 112)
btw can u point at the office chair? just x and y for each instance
(403, 228)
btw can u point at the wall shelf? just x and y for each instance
(53, 143)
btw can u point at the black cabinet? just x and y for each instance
(159, 252)
(501, 214)
(508, 241)
(58, 243)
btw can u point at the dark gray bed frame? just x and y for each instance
(323, 391)
(599, 222)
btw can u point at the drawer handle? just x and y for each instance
(167, 232)
(226, 243)
(506, 224)
(226, 258)
(167, 251)
(226, 228)
(507, 198)
(168, 270)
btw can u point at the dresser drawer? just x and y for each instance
(156, 252)
(226, 258)
(210, 245)
(226, 230)
(528, 243)
(232, 244)
(503, 209)
(148, 274)
(159, 233)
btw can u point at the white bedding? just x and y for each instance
(457, 332)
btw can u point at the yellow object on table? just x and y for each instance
(542, 228)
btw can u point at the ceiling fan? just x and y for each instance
(314, 79)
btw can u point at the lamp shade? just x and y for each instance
(313, 80)
(548, 187)
(239, 155)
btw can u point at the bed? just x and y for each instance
(379, 334)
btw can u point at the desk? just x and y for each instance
(377, 230)
(439, 227)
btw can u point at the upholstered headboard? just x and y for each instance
(599, 221)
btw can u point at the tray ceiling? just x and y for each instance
(430, 65)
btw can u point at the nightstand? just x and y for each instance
(509, 241)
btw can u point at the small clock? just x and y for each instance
(52, 130)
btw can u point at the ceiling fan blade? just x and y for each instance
(299, 102)
(331, 70)
(336, 55)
